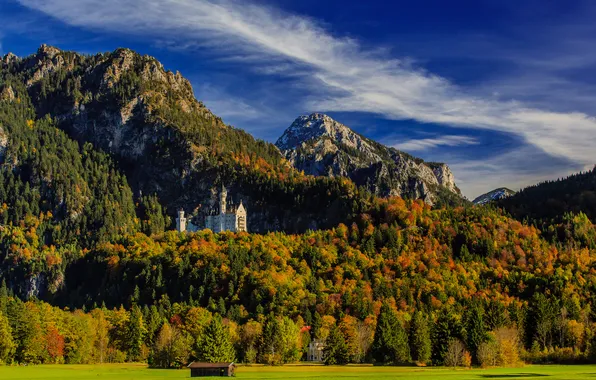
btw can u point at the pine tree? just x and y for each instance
(216, 345)
(476, 332)
(336, 349)
(444, 330)
(3, 298)
(420, 343)
(7, 346)
(136, 334)
(391, 340)
(316, 324)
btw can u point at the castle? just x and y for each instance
(227, 218)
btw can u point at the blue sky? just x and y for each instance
(503, 91)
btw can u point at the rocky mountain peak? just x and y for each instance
(9, 58)
(494, 195)
(46, 51)
(316, 126)
(319, 145)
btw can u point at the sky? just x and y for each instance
(503, 91)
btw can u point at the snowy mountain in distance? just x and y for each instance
(494, 195)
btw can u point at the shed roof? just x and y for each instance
(209, 365)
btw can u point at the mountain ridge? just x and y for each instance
(320, 145)
(167, 142)
(493, 195)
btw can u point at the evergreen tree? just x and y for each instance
(420, 343)
(444, 330)
(475, 328)
(495, 315)
(7, 346)
(316, 324)
(541, 320)
(135, 334)
(336, 349)
(3, 298)
(216, 346)
(391, 340)
(268, 346)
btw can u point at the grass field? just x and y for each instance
(298, 372)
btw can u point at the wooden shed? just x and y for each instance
(198, 369)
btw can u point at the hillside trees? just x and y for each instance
(420, 343)
(172, 347)
(7, 345)
(216, 345)
(391, 341)
(336, 349)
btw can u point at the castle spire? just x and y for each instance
(223, 199)
(181, 221)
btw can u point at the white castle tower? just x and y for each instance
(223, 197)
(181, 221)
(229, 218)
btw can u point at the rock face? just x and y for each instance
(167, 142)
(319, 145)
(497, 194)
(3, 144)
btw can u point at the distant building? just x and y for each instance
(315, 351)
(183, 224)
(225, 218)
(229, 218)
(211, 369)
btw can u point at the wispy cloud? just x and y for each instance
(511, 169)
(424, 144)
(223, 103)
(345, 75)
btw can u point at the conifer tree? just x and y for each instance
(3, 298)
(420, 343)
(336, 349)
(7, 345)
(136, 334)
(216, 345)
(446, 328)
(476, 332)
(391, 340)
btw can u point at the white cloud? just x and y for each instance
(349, 76)
(223, 103)
(424, 144)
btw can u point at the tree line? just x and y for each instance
(171, 335)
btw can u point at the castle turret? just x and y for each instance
(223, 200)
(181, 221)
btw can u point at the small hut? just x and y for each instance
(211, 369)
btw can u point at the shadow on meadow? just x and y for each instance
(513, 376)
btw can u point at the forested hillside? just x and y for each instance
(548, 202)
(70, 193)
(93, 151)
(405, 283)
(168, 144)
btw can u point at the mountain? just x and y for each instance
(319, 145)
(548, 202)
(494, 195)
(166, 143)
(93, 148)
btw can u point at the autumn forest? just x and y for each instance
(91, 270)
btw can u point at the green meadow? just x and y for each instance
(140, 371)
